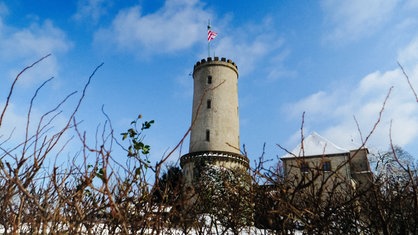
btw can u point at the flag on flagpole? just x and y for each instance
(211, 35)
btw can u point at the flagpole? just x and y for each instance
(208, 38)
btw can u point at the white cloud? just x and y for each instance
(331, 113)
(176, 26)
(91, 9)
(315, 104)
(351, 20)
(181, 24)
(409, 54)
(41, 72)
(22, 46)
(36, 40)
(249, 53)
(13, 123)
(255, 46)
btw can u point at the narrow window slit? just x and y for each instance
(207, 135)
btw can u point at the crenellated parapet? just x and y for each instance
(213, 157)
(215, 61)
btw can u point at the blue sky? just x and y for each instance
(332, 60)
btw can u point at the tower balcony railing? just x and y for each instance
(213, 156)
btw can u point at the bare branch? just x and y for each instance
(409, 82)
(13, 85)
(358, 129)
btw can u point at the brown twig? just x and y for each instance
(409, 82)
(13, 85)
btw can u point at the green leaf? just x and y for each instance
(132, 133)
(146, 149)
(100, 174)
(147, 125)
(138, 145)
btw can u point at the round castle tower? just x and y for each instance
(214, 136)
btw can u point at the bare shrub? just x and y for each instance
(94, 193)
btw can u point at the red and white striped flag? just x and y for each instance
(211, 35)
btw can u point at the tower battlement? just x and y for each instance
(215, 61)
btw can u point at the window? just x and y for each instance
(326, 166)
(304, 167)
(208, 104)
(209, 79)
(207, 135)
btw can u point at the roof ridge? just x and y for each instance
(314, 145)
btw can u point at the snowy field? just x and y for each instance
(101, 229)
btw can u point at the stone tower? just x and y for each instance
(214, 137)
